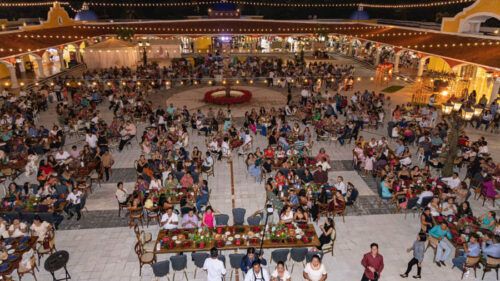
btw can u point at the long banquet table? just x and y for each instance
(170, 241)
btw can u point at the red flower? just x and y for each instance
(227, 100)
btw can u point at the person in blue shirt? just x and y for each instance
(443, 250)
(471, 249)
(385, 190)
(491, 247)
(249, 259)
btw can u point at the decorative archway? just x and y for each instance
(470, 19)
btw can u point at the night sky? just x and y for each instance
(427, 14)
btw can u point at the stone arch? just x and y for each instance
(8, 72)
(445, 66)
(479, 11)
(472, 24)
(37, 62)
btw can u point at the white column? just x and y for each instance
(377, 56)
(13, 77)
(397, 58)
(421, 64)
(78, 55)
(61, 59)
(40, 73)
(494, 92)
(21, 66)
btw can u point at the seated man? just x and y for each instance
(169, 220)
(74, 204)
(471, 249)
(443, 249)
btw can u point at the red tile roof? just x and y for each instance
(479, 50)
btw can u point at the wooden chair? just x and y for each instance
(210, 172)
(48, 245)
(328, 248)
(471, 262)
(152, 215)
(22, 270)
(491, 263)
(121, 206)
(144, 258)
(136, 214)
(433, 243)
(145, 238)
(340, 211)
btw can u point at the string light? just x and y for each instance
(282, 4)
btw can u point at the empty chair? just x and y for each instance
(161, 269)
(144, 258)
(199, 260)
(239, 216)
(221, 219)
(298, 255)
(254, 220)
(280, 255)
(235, 262)
(222, 258)
(179, 263)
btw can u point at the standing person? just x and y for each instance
(107, 162)
(418, 249)
(280, 273)
(373, 262)
(315, 270)
(257, 273)
(249, 258)
(214, 267)
(443, 249)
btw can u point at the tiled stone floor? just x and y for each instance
(101, 244)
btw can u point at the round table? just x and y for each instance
(55, 262)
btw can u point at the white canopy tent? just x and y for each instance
(110, 53)
(166, 49)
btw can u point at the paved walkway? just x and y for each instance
(101, 244)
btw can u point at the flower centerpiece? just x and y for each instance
(220, 96)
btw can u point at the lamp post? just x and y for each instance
(269, 212)
(457, 116)
(144, 46)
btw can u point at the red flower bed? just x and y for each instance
(223, 100)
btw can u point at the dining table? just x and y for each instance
(15, 247)
(236, 237)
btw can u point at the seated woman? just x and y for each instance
(435, 207)
(208, 219)
(488, 221)
(300, 216)
(386, 189)
(464, 210)
(426, 220)
(449, 208)
(253, 166)
(326, 233)
(286, 215)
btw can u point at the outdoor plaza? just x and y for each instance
(131, 149)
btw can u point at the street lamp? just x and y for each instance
(269, 212)
(457, 116)
(447, 108)
(477, 111)
(144, 45)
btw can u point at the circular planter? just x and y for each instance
(218, 96)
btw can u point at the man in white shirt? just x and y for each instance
(62, 155)
(121, 193)
(426, 193)
(74, 204)
(340, 185)
(453, 181)
(208, 162)
(257, 273)
(169, 220)
(91, 140)
(214, 267)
